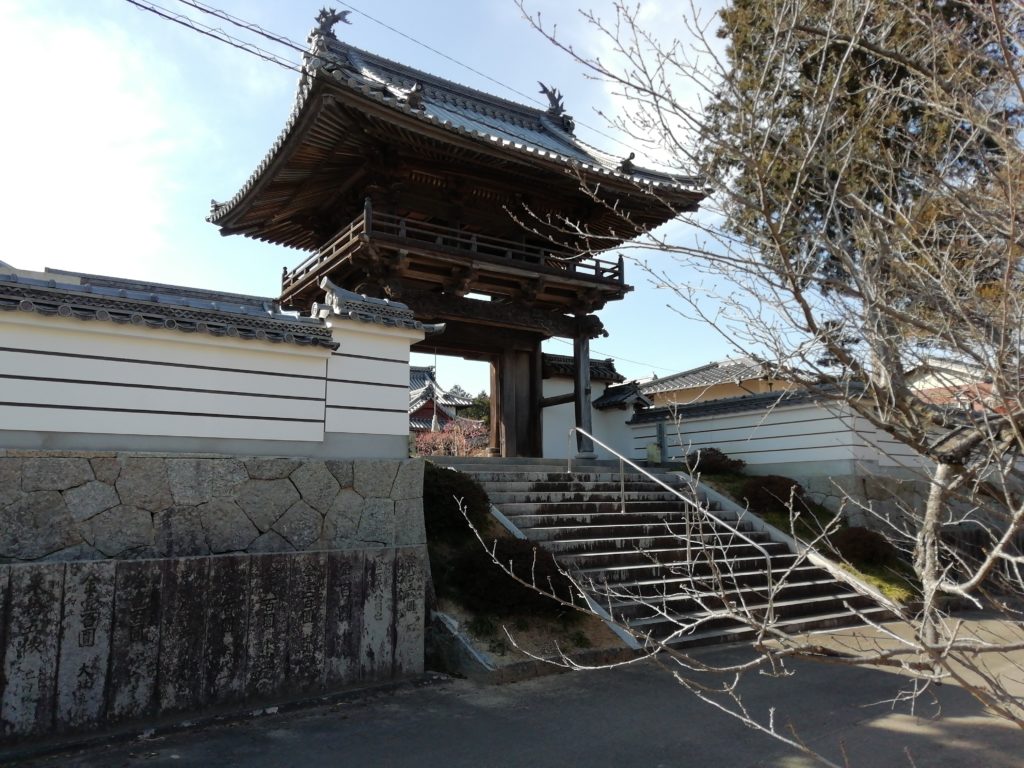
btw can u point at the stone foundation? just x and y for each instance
(90, 506)
(138, 585)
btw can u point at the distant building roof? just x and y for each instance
(563, 366)
(155, 305)
(731, 371)
(423, 388)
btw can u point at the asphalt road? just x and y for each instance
(633, 716)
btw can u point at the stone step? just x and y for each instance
(842, 617)
(582, 507)
(500, 498)
(486, 477)
(681, 569)
(662, 582)
(637, 541)
(524, 522)
(580, 486)
(679, 529)
(600, 558)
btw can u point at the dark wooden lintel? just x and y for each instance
(547, 402)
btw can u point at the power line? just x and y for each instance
(243, 24)
(622, 359)
(217, 34)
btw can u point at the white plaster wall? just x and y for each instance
(609, 425)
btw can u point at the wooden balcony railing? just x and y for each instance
(407, 233)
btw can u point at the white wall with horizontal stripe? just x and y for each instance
(63, 375)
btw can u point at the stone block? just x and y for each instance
(409, 524)
(377, 523)
(408, 480)
(375, 477)
(85, 634)
(264, 501)
(196, 481)
(227, 528)
(119, 530)
(90, 499)
(342, 520)
(106, 468)
(36, 525)
(344, 623)
(135, 643)
(410, 609)
(227, 617)
(54, 474)
(306, 621)
(300, 525)
(316, 485)
(71, 554)
(343, 472)
(28, 699)
(376, 646)
(271, 468)
(270, 541)
(143, 483)
(182, 633)
(10, 479)
(267, 641)
(179, 532)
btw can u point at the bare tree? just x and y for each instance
(865, 159)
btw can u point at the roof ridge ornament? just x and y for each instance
(326, 20)
(556, 108)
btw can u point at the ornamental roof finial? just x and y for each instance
(326, 20)
(556, 108)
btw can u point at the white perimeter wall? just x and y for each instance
(66, 376)
(609, 425)
(800, 434)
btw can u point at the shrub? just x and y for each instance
(863, 546)
(442, 488)
(712, 461)
(482, 586)
(771, 494)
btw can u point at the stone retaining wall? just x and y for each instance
(91, 644)
(87, 506)
(137, 585)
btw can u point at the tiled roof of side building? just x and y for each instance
(730, 371)
(724, 405)
(621, 395)
(118, 300)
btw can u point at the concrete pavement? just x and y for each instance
(632, 716)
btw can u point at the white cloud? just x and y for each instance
(89, 141)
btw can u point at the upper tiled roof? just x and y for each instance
(454, 108)
(759, 402)
(191, 310)
(721, 372)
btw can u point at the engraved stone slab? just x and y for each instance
(182, 632)
(30, 662)
(136, 640)
(344, 631)
(410, 609)
(85, 643)
(268, 623)
(227, 621)
(376, 647)
(307, 616)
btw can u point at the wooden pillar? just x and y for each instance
(516, 379)
(581, 390)
(494, 446)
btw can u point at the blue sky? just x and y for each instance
(123, 126)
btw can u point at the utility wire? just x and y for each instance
(622, 359)
(217, 34)
(246, 25)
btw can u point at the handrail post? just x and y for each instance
(368, 214)
(622, 485)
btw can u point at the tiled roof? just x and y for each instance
(564, 367)
(759, 402)
(190, 310)
(731, 371)
(423, 388)
(455, 108)
(621, 394)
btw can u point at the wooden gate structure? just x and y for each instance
(476, 212)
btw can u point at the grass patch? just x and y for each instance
(898, 587)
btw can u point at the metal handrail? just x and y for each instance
(705, 512)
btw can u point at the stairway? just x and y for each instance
(636, 565)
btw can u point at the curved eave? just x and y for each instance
(679, 193)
